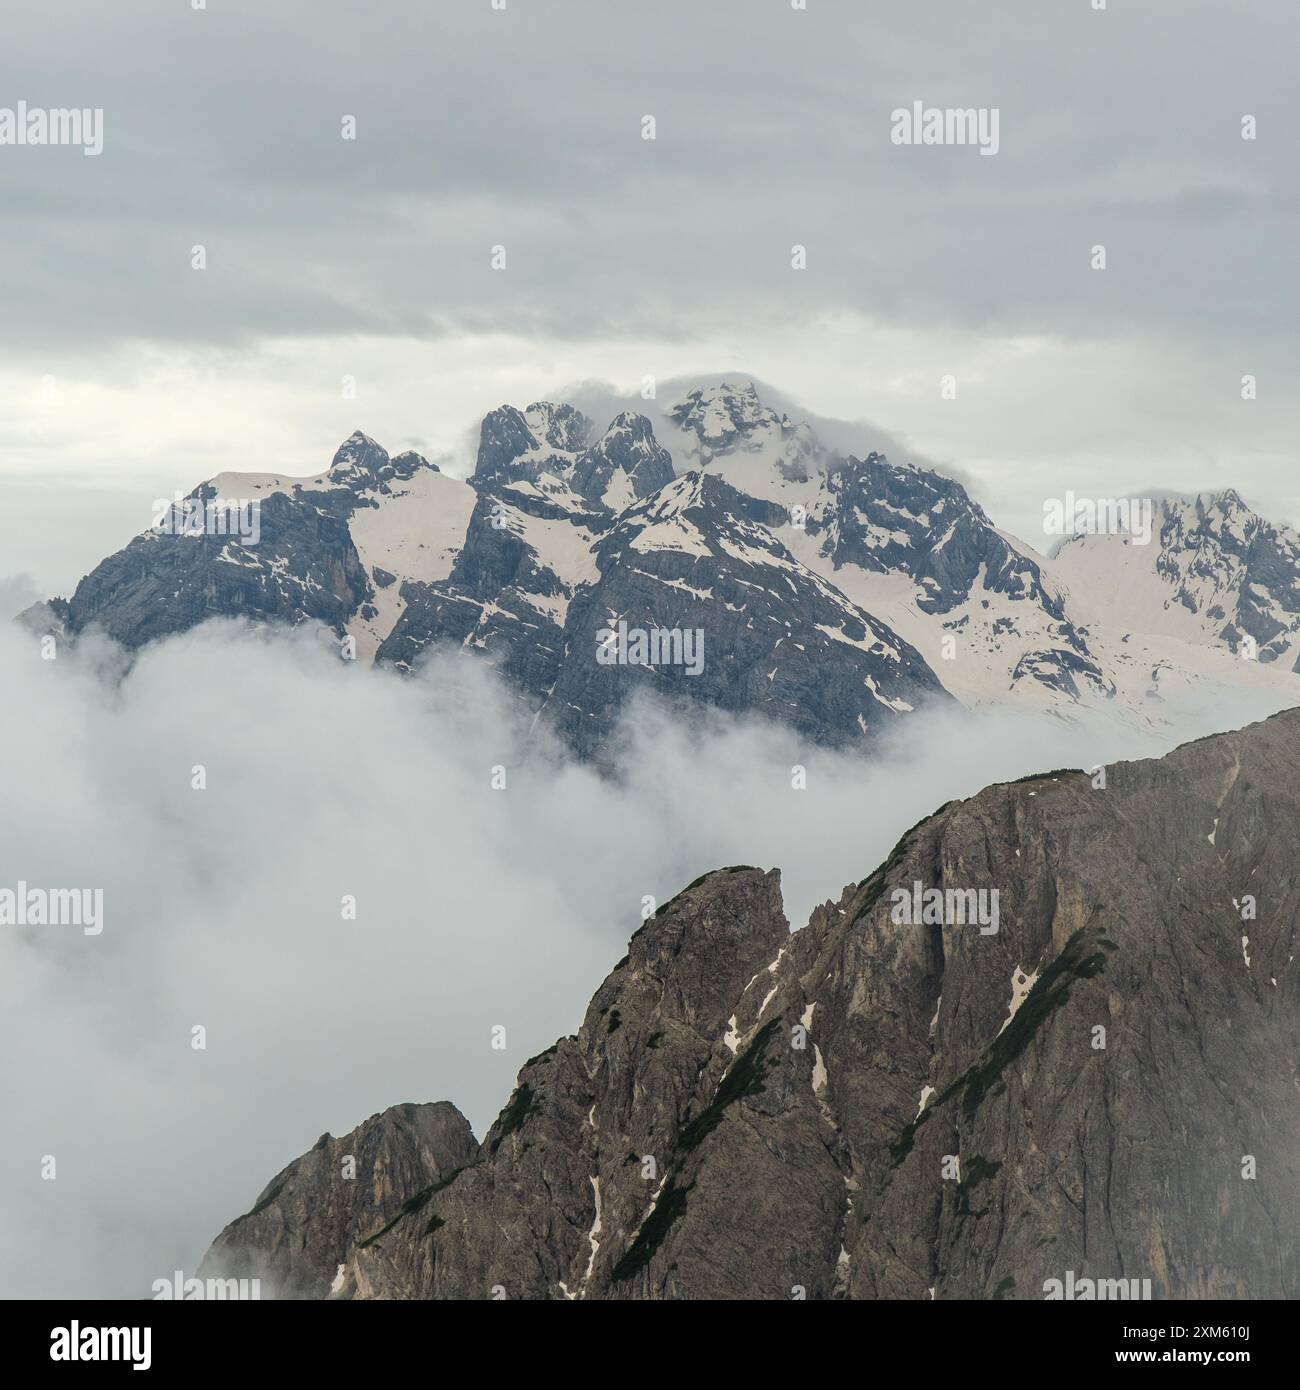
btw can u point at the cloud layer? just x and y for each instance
(521, 127)
(475, 907)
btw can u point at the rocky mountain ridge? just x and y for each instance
(1104, 1086)
(878, 589)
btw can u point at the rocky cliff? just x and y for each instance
(313, 1213)
(1084, 1060)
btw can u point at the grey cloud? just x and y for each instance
(522, 127)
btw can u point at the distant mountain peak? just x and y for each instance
(750, 529)
(727, 428)
(363, 464)
(609, 471)
(725, 417)
(561, 426)
(408, 462)
(358, 452)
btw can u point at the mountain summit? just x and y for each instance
(835, 593)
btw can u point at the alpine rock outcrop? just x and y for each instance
(1104, 1088)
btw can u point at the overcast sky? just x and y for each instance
(125, 373)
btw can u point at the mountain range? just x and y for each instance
(1093, 1086)
(834, 593)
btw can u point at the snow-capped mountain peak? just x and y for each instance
(1213, 572)
(723, 417)
(832, 592)
(362, 465)
(562, 427)
(729, 418)
(357, 456)
(551, 446)
(625, 463)
(727, 430)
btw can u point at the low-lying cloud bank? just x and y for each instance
(475, 906)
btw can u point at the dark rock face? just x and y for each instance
(521, 445)
(1063, 671)
(312, 1214)
(358, 461)
(771, 636)
(1104, 1088)
(503, 437)
(582, 1111)
(624, 463)
(503, 599)
(365, 468)
(628, 446)
(923, 524)
(774, 638)
(304, 566)
(1217, 551)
